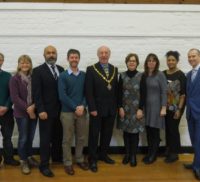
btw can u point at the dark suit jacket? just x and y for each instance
(98, 97)
(193, 96)
(45, 90)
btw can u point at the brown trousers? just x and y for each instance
(73, 125)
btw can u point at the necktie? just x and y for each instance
(106, 70)
(54, 72)
(194, 73)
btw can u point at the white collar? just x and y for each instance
(196, 68)
(49, 65)
(71, 72)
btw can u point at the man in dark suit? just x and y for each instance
(45, 95)
(101, 95)
(193, 108)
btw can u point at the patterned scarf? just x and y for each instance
(27, 80)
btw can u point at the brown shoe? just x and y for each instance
(69, 170)
(83, 165)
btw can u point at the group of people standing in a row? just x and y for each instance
(151, 100)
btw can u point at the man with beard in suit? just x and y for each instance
(45, 96)
(101, 95)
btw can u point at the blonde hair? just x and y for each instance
(25, 58)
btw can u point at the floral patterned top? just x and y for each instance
(129, 87)
(176, 86)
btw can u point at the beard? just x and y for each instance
(51, 60)
(74, 64)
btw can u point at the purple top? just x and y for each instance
(18, 93)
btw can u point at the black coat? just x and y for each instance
(99, 97)
(45, 90)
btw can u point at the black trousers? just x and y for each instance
(7, 126)
(153, 140)
(172, 133)
(50, 141)
(102, 126)
(131, 141)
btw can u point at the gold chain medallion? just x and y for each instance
(109, 86)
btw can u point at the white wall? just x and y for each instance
(27, 28)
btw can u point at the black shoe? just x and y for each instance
(107, 160)
(146, 158)
(188, 166)
(126, 159)
(197, 174)
(47, 172)
(150, 159)
(171, 158)
(1, 161)
(165, 154)
(11, 162)
(133, 161)
(93, 167)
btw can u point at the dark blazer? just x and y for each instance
(193, 96)
(99, 97)
(45, 90)
(18, 93)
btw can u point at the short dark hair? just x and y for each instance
(132, 55)
(1, 54)
(73, 51)
(175, 54)
(155, 58)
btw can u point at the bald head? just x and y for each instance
(49, 48)
(50, 54)
(103, 54)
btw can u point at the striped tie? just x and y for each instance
(54, 72)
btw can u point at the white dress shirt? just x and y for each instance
(56, 69)
(194, 72)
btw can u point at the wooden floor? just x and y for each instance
(157, 172)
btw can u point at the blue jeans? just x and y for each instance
(194, 131)
(26, 129)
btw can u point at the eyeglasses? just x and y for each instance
(132, 60)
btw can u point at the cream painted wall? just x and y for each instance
(27, 28)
